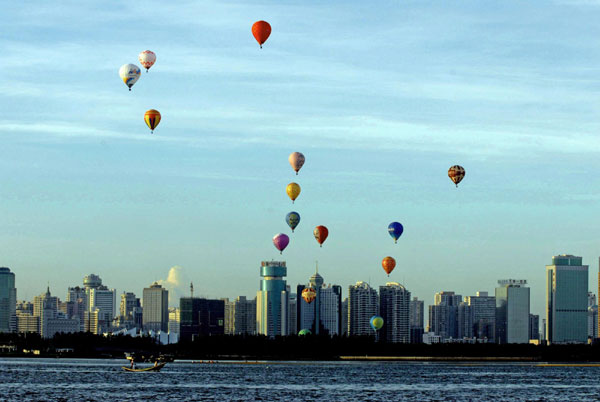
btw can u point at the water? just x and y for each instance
(103, 380)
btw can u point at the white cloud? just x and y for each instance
(177, 283)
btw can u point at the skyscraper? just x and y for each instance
(240, 316)
(129, 302)
(417, 320)
(200, 317)
(77, 299)
(566, 299)
(103, 300)
(8, 301)
(155, 308)
(324, 314)
(272, 300)
(483, 308)
(512, 311)
(443, 315)
(394, 301)
(534, 327)
(362, 305)
(592, 316)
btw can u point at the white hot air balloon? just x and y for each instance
(147, 59)
(129, 73)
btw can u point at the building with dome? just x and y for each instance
(324, 314)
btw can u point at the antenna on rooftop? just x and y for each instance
(192, 290)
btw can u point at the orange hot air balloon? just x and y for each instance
(152, 118)
(309, 294)
(456, 174)
(388, 265)
(321, 234)
(261, 31)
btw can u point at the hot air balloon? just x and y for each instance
(321, 234)
(296, 160)
(293, 191)
(304, 332)
(292, 219)
(281, 241)
(129, 73)
(147, 59)
(309, 294)
(456, 174)
(395, 230)
(376, 322)
(261, 31)
(152, 118)
(388, 265)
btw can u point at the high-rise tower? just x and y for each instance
(272, 300)
(394, 301)
(362, 305)
(8, 301)
(566, 299)
(155, 310)
(512, 311)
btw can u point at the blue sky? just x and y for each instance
(381, 97)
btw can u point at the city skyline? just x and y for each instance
(380, 99)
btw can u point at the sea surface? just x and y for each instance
(104, 380)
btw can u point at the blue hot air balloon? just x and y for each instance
(395, 229)
(292, 219)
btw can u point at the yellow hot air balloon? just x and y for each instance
(293, 191)
(152, 118)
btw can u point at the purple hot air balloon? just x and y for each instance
(281, 241)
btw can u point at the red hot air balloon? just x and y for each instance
(261, 31)
(280, 241)
(321, 234)
(388, 265)
(309, 294)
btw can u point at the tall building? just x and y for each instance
(592, 316)
(155, 306)
(345, 317)
(443, 315)
(417, 320)
(200, 317)
(174, 320)
(464, 318)
(104, 300)
(483, 308)
(8, 301)
(293, 311)
(534, 327)
(512, 311)
(77, 300)
(324, 313)
(129, 303)
(272, 300)
(394, 302)
(567, 300)
(240, 316)
(362, 305)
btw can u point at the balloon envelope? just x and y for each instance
(281, 241)
(296, 160)
(261, 31)
(147, 59)
(321, 234)
(376, 322)
(152, 118)
(388, 265)
(304, 332)
(293, 191)
(395, 230)
(456, 174)
(309, 294)
(129, 73)
(292, 219)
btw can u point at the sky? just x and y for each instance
(381, 97)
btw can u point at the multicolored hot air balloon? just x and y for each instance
(293, 191)
(321, 234)
(147, 59)
(395, 230)
(292, 219)
(261, 31)
(152, 118)
(309, 294)
(388, 265)
(281, 241)
(296, 160)
(376, 322)
(304, 332)
(456, 174)
(129, 73)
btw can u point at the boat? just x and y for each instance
(151, 368)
